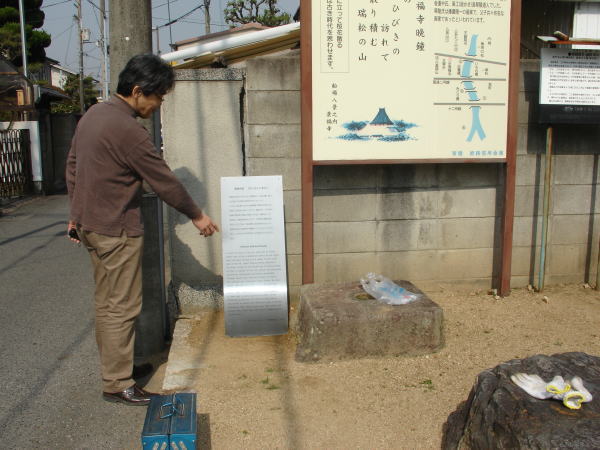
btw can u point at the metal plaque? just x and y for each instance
(254, 256)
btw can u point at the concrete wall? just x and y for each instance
(202, 140)
(427, 223)
(573, 228)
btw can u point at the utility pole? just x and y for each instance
(157, 40)
(23, 41)
(104, 76)
(130, 34)
(80, 29)
(206, 16)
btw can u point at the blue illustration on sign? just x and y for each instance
(381, 128)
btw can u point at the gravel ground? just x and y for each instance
(253, 395)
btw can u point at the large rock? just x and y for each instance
(500, 415)
(340, 321)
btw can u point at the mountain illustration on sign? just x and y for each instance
(381, 128)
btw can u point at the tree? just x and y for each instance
(72, 90)
(261, 11)
(10, 31)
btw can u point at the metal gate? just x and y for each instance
(15, 163)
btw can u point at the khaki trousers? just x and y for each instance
(117, 265)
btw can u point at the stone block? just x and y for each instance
(398, 235)
(410, 176)
(476, 202)
(574, 199)
(350, 205)
(292, 202)
(408, 204)
(575, 169)
(527, 231)
(469, 175)
(529, 201)
(294, 270)
(417, 265)
(569, 140)
(530, 170)
(194, 301)
(273, 73)
(289, 169)
(528, 107)
(344, 237)
(567, 259)
(573, 229)
(273, 107)
(467, 232)
(524, 262)
(466, 263)
(335, 323)
(339, 267)
(293, 238)
(273, 141)
(531, 139)
(346, 177)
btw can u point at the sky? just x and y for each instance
(60, 23)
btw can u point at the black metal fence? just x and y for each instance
(15, 163)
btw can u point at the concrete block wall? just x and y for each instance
(573, 227)
(427, 223)
(272, 136)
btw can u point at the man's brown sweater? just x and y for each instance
(111, 153)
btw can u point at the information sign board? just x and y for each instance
(409, 79)
(570, 86)
(254, 256)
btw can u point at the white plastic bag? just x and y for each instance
(386, 291)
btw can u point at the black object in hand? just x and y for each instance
(73, 234)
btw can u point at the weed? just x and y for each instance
(428, 384)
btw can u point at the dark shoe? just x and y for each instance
(132, 396)
(143, 370)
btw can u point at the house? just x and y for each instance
(52, 73)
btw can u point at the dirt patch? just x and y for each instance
(253, 394)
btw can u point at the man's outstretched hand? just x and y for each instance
(205, 224)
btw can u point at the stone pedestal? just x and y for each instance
(500, 415)
(341, 321)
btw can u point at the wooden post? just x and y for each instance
(511, 148)
(307, 160)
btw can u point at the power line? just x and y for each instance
(164, 4)
(63, 32)
(54, 4)
(93, 4)
(69, 42)
(180, 17)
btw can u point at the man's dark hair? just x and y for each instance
(149, 72)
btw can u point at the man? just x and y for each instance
(111, 153)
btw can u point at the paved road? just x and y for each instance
(50, 394)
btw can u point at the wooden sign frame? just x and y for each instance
(308, 164)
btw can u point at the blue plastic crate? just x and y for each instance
(170, 423)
